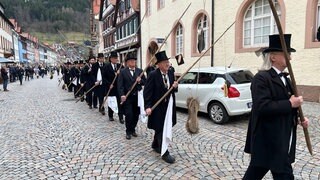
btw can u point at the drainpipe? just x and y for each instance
(212, 33)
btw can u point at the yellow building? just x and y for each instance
(254, 22)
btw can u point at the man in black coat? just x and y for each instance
(111, 70)
(99, 69)
(126, 79)
(74, 74)
(5, 77)
(20, 73)
(158, 83)
(271, 137)
(66, 75)
(88, 80)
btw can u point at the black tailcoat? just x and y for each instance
(110, 73)
(271, 122)
(153, 91)
(125, 81)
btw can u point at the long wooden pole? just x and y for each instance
(80, 89)
(85, 93)
(171, 88)
(151, 60)
(294, 85)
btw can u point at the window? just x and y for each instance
(259, 23)
(189, 78)
(318, 18)
(206, 78)
(135, 24)
(179, 39)
(148, 7)
(203, 25)
(161, 4)
(312, 24)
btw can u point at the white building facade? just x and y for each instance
(253, 24)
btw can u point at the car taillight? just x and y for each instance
(233, 92)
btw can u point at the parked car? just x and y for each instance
(210, 91)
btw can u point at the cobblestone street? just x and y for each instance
(44, 134)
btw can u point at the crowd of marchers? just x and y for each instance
(15, 72)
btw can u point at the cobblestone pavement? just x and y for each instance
(44, 134)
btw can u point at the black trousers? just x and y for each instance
(100, 92)
(90, 98)
(256, 173)
(157, 141)
(120, 109)
(131, 111)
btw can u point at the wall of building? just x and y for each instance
(305, 62)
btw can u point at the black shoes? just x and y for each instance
(128, 136)
(156, 149)
(121, 121)
(168, 158)
(111, 119)
(134, 134)
(101, 110)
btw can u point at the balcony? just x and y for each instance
(127, 41)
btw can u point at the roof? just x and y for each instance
(6, 19)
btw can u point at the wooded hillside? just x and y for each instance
(49, 15)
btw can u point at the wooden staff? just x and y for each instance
(80, 89)
(151, 60)
(294, 85)
(70, 83)
(60, 80)
(171, 88)
(85, 93)
(118, 71)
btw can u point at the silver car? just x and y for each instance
(208, 86)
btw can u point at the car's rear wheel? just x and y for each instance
(218, 113)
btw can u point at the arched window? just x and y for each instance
(179, 39)
(203, 25)
(255, 22)
(312, 24)
(318, 20)
(258, 23)
(200, 29)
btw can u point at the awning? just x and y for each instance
(5, 60)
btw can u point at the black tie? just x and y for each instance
(115, 67)
(100, 64)
(284, 74)
(165, 81)
(132, 70)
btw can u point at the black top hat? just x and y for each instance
(91, 57)
(100, 55)
(75, 62)
(81, 62)
(275, 44)
(161, 56)
(68, 63)
(113, 54)
(130, 56)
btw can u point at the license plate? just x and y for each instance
(249, 105)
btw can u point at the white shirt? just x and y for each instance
(282, 78)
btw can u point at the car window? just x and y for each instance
(189, 78)
(206, 78)
(240, 77)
